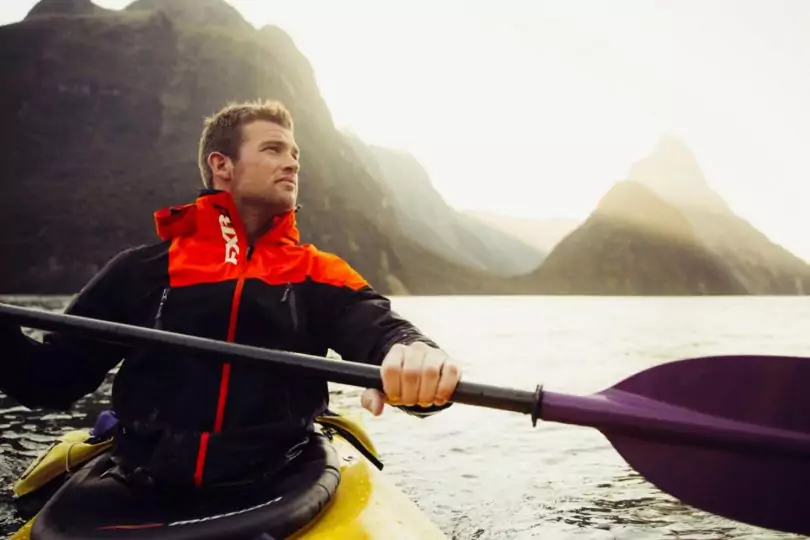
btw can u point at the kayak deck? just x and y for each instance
(365, 505)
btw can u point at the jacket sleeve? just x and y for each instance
(64, 367)
(359, 324)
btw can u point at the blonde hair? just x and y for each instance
(223, 131)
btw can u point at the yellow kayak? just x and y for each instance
(358, 502)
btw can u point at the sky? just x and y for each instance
(534, 108)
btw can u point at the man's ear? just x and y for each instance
(221, 167)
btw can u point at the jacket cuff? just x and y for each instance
(423, 412)
(406, 339)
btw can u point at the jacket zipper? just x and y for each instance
(159, 314)
(289, 298)
(226, 373)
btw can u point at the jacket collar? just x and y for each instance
(214, 211)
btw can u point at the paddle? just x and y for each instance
(727, 434)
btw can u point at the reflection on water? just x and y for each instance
(482, 474)
(628, 502)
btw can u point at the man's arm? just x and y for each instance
(359, 324)
(64, 367)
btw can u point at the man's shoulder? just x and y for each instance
(139, 254)
(332, 269)
(142, 251)
(116, 275)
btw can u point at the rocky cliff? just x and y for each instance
(100, 118)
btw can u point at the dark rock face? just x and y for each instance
(64, 7)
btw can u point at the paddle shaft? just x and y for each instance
(350, 373)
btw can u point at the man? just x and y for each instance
(229, 266)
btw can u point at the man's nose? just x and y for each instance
(292, 165)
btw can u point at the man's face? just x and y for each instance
(266, 172)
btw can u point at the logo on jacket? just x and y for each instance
(231, 241)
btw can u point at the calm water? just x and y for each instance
(484, 474)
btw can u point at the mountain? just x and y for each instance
(65, 7)
(664, 231)
(672, 171)
(424, 216)
(200, 13)
(542, 234)
(634, 243)
(101, 115)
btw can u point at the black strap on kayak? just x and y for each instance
(329, 429)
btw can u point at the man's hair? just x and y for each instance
(223, 131)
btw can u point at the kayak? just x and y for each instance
(333, 490)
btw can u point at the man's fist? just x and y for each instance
(416, 374)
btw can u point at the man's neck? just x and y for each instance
(256, 221)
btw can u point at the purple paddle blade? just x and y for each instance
(726, 434)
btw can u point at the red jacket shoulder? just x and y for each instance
(333, 270)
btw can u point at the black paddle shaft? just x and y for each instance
(350, 373)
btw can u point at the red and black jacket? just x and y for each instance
(203, 420)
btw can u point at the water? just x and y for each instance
(482, 474)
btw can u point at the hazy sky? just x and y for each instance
(535, 108)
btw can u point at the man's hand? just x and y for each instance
(416, 374)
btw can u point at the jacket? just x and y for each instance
(207, 421)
